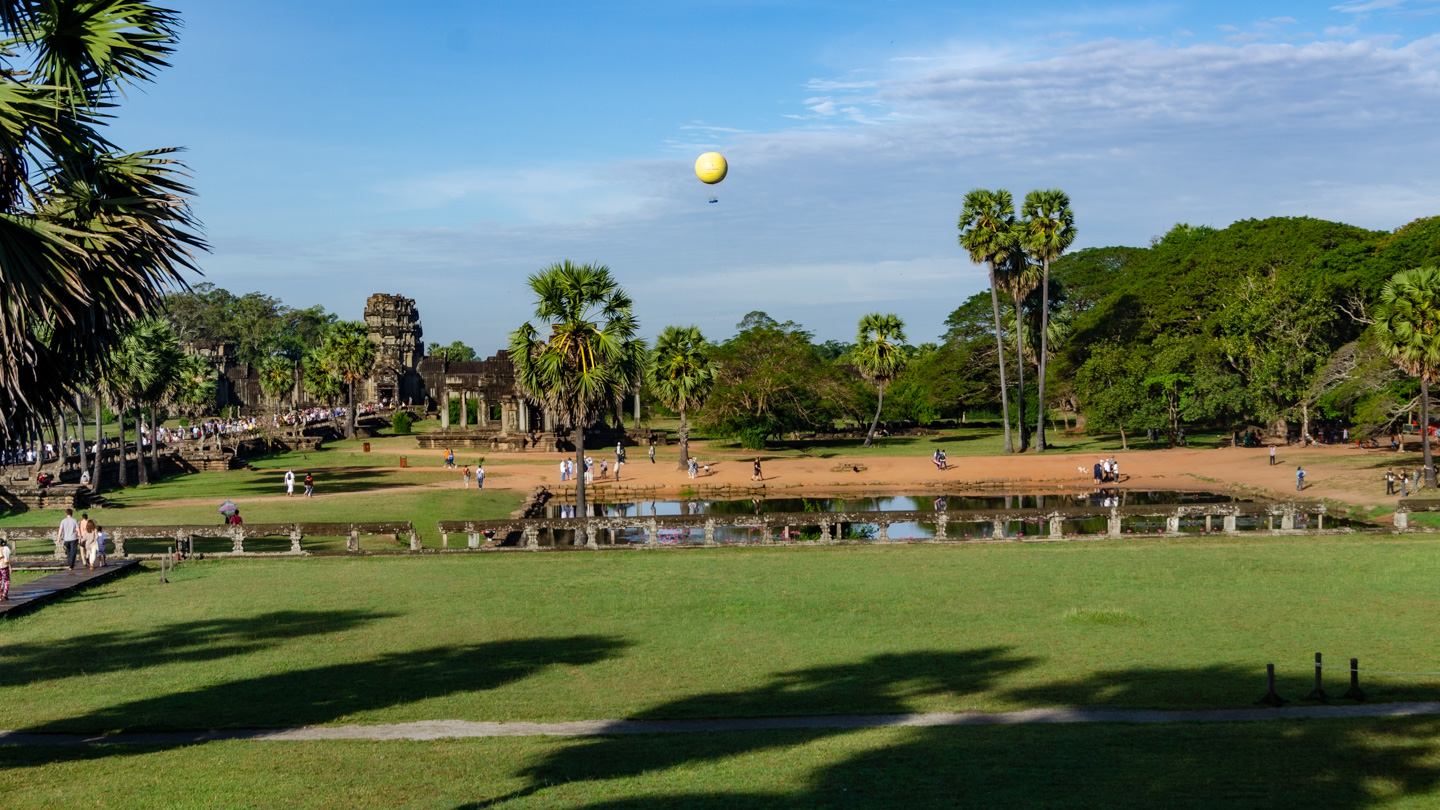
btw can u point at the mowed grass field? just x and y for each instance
(736, 633)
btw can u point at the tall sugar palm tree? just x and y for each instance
(90, 236)
(590, 358)
(348, 354)
(277, 379)
(987, 227)
(165, 354)
(680, 374)
(126, 378)
(321, 385)
(1048, 229)
(879, 354)
(193, 386)
(1407, 323)
(1019, 277)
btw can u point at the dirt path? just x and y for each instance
(448, 729)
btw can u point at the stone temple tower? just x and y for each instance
(394, 327)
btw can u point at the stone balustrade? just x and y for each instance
(1280, 518)
(183, 536)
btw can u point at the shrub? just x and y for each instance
(401, 423)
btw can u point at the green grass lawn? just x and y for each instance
(737, 633)
(560, 636)
(1338, 765)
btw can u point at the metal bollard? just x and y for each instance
(1319, 692)
(1270, 698)
(1354, 693)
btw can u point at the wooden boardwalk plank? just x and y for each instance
(27, 595)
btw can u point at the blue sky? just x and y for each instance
(444, 150)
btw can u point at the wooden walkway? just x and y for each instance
(38, 591)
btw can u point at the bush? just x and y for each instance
(401, 423)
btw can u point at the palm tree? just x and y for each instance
(986, 230)
(1019, 278)
(1049, 228)
(348, 354)
(879, 354)
(192, 387)
(320, 384)
(165, 356)
(1407, 324)
(590, 358)
(91, 235)
(681, 373)
(129, 373)
(277, 379)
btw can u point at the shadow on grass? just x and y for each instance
(324, 694)
(204, 640)
(1340, 764)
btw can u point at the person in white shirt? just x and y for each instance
(289, 483)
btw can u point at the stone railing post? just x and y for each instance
(414, 540)
(1287, 518)
(884, 531)
(59, 547)
(765, 536)
(473, 540)
(237, 540)
(352, 542)
(652, 533)
(999, 532)
(590, 541)
(1172, 524)
(1112, 524)
(1320, 520)
(1228, 524)
(295, 539)
(118, 536)
(1057, 527)
(444, 539)
(710, 532)
(1402, 518)
(532, 537)
(940, 527)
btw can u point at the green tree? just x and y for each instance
(987, 228)
(277, 379)
(131, 371)
(591, 357)
(91, 235)
(1407, 324)
(166, 354)
(348, 354)
(320, 384)
(193, 387)
(456, 352)
(680, 374)
(1019, 276)
(1048, 229)
(879, 354)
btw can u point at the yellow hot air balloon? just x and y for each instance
(711, 168)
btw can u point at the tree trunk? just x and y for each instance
(1305, 419)
(124, 474)
(1044, 346)
(1123, 445)
(99, 446)
(684, 464)
(350, 410)
(62, 440)
(870, 437)
(637, 408)
(1425, 430)
(1020, 377)
(1000, 349)
(582, 534)
(154, 443)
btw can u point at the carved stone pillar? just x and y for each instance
(445, 410)
(1228, 524)
(464, 410)
(482, 412)
(1172, 524)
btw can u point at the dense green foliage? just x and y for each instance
(259, 325)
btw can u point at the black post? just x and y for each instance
(1319, 693)
(1270, 698)
(1354, 693)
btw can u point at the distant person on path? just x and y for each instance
(465, 478)
(757, 475)
(479, 477)
(89, 531)
(289, 483)
(101, 538)
(309, 485)
(69, 535)
(604, 468)
(652, 454)
(450, 459)
(1404, 484)
(619, 454)
(564, 470)
(1099, 473)
(1272, 455)
(1299, 479)
(4, 569)
(1389, 482)
(1415, 482)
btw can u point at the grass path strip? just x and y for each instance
(447, 729)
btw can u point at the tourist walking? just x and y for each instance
(69, 535)
(652, 454)
(1404, 484)
(101, 538)
(479, 477)
(309, 485)
(1389, 482)
(1299, 479)
(450, 459)
(604, 468)
(289, 483)
(1272, 455)
(465, 478)
(619, 454)
(756, 475)
(564, 470)
(4, 569)
(88, 532)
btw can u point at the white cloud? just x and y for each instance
(1360, 6)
